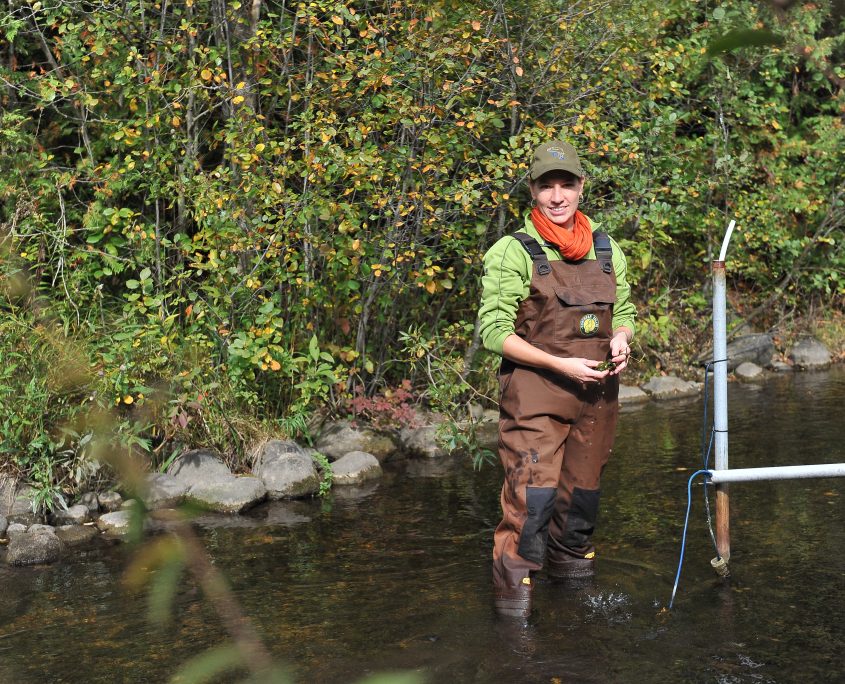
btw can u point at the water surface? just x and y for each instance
(396, 576)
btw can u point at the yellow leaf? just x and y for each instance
(237, 99)
(356, 245)
(175, 121)
(259, 147)
(518, 71)
(387, 80)
(476, 25)
(128, 399)
(275, 365)
(277, 187)
(206, 74)
(776, 125)
(337, 20)
(430, 286)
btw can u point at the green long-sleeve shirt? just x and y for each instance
(507, 275)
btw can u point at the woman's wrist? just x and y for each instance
(626, 332)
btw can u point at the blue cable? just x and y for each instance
(684, 537)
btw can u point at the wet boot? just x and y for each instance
(572, 567)
(514, 601)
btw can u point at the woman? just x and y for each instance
(555, 305)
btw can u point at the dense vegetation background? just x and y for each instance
(224, 218)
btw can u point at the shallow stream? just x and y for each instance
(396, 576)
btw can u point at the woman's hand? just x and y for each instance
(620, 351)
(579, 370)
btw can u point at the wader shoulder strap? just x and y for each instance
(538, 256)
(604, 253)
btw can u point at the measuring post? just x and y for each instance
(720, 396)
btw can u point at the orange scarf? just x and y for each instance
(573, 244)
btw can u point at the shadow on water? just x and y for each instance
(395, 576)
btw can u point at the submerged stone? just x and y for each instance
(749, 371)
(286, 470)
(230, 495)
(670, 387)
(34, 548)
(628, 394)
(71, 535)
(355, 468)
(116, 522)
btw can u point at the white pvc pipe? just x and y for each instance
(777, 473)
(726, 240)
(720, 367)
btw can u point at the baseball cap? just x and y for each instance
(555, 155)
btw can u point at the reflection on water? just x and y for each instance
(395, 575)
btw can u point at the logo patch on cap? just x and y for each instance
(557, 153)
(589, 325)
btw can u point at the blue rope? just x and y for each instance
(684, 537)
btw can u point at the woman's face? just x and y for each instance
(556, 195)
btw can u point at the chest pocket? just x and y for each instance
(584, 312)
(587, 294)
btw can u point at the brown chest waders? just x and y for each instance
(555, 437)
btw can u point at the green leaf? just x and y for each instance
(163, 588)
(132, 284)
(206, 666)
(739, 38)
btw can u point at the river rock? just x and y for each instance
(749, 371)
(14, 529)
(163, 491)
(809, 353)
(629, 394)
(779, 366)
(76, 514)
(34, 548)
(286, 470)
(3, 525)
(198, 466)
(16, 502)
(116, 522)
(421, 441)
(90, 500)
(755, 348)
(355, 468)
(110, 501)
(35, 528)
(341, 437)
(670, 387)
(71, 535)
(228, 495)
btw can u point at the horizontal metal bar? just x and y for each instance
(777, 473)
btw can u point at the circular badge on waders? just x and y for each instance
(589, 325)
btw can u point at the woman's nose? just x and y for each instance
(557, 194)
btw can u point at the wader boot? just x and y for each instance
(555, 436)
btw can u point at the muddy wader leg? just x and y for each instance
(530, 450)
(586, 453)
